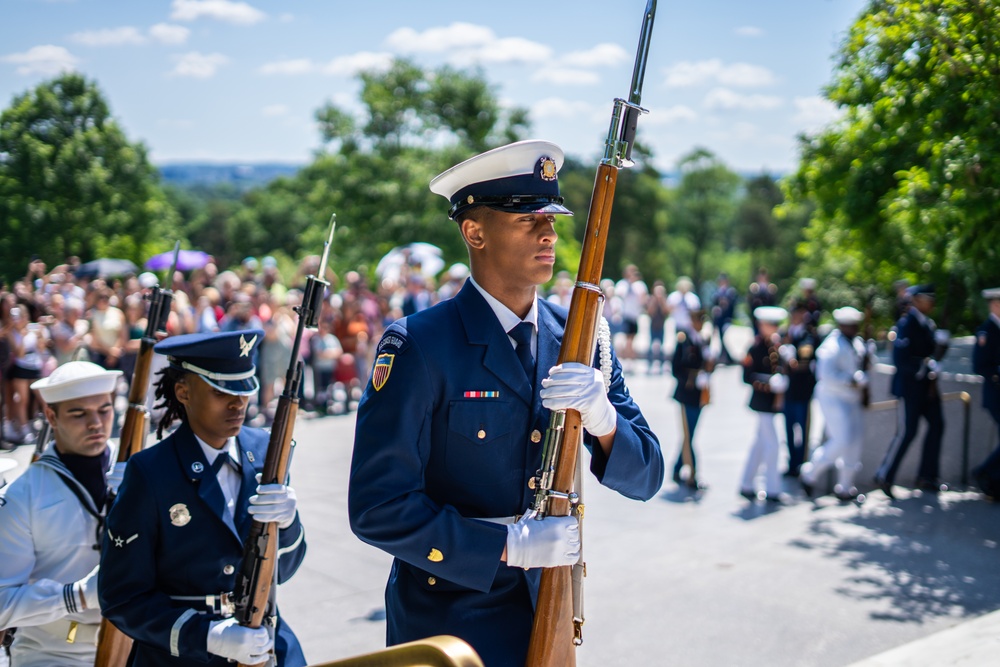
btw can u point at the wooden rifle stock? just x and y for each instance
(113, 645)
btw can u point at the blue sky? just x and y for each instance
(221, 80)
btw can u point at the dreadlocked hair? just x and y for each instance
(169, 377)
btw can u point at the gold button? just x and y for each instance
(431, 581)
(229, 569)
(532, 483)
(481, 435)
(536, 436)
(435, 556)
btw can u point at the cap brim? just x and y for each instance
(533, 207)
(246, 387)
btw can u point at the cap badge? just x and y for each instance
(197, 467)
(383, 366)
(246, 346)
(179, 515)
(547, 169)
(470, 199)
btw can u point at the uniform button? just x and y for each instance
(229, 569)
(532, 483)
(481, 435)
(431, 581)
(536, 436)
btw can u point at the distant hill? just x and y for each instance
(242, 176)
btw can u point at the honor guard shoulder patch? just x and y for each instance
(383, 366)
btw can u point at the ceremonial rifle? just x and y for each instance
(254, 594)
(42, 440)
(557, 629)
(113, 646)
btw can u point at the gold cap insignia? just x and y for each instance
(179, 515)
(547, 169)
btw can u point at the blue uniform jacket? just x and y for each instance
(167, 536)
(913, 346)
(434, 451)
(986, 362)
(688, 361)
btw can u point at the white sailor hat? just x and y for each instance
(807, 283)
(76, 379)
(991, 293)
(847, 315)
(520, 178)
(773, 314)
(224, 360)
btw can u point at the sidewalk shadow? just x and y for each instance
(925, 556)
(681, 494)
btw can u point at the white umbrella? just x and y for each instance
(419, 257)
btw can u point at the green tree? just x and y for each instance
(71, 183)
(908, 183)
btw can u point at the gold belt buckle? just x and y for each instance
(71, 635)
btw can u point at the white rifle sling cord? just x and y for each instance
(580, 569)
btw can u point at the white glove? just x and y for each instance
(942, 336)
(787, 352)
(273, 503)
(86, 589)
(551, 542)
(115, 477)
(229, 639)
(574, 386)
(778, 383)
(701, 380)
(861, 379)
(932, 366)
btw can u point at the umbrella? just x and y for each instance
(105, 267)
(423, 255)
(186, 260)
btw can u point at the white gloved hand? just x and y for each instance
(273, 503)
(86, 589)
(861, 379)
(116, 476)
(701, 380)
(551, 542)
(932, 366)
(574, 386)
(229, 639)
(778, 383)
(787, 352)
(942, 336)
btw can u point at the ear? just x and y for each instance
(50, 416)
(473, 233)
(183, 392)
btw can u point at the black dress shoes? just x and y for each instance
(885, 487)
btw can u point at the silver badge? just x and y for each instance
(179, 515)
(250, 456)
(197, 467)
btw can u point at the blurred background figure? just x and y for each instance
(986, 362)
(682, 302)
(723, 310)
(691, 367)
(633, 293)
(762, 292)
(798, 351)
(657, 309)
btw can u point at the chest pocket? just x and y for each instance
(479, 441)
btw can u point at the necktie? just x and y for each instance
(221, 460)
(522, 336)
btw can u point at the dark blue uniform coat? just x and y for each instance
(986, 362)
(431, 455)
(147, 557)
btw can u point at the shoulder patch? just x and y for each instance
(383, 366)
(394, 340)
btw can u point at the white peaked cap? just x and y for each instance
(848, 315)
(773, 314)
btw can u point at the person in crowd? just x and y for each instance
(986, 362)
(449, 429)
(798, 355)
(723, 311)
(26, 343)
(810, 301)
(51, 523)
(107, 327)
(456, 275)
(917, 347)
(175, 533)
(682, 302)
(841, 379)
(763, 371)
(633, 293)
(657, 309)
(762, 292)
(692, 365)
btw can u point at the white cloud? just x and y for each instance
(46, 60)
(289, 67)
(559, 108)
(221, 10)
(670, 115)
(358, 62)
(508, 50)
(467, 42)
(126, 34)
(603, 54)
(198, 65)
(168, 33)
(813, 113)
(273, 110)
(749, 31)
(723, 98)
(715, 71)
(564, 76)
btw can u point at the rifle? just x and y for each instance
(42, 440)
(113, 646)
(866, 396)
(254, 594)
(557, 629)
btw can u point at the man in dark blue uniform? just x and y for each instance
(175, 534)
(450, 427)
(798, 354)
(691, 367)
(917, 346)
(723, 311)
(986, 362)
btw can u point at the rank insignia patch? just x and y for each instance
(383, 365)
